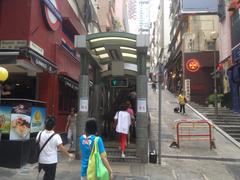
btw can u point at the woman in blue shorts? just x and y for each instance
(86, 144)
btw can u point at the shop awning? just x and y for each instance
(42, 62)
(16, 61)
(69, 82)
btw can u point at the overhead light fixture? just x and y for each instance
(100, 49)
(105, 55)
(129, 55)
(127, 48)
(112, 38)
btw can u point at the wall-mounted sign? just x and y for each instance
(36, 48)
(141, 105)
(192, 65)
(42, 62)
(13, 44)
(52, 14)
(188, 89)
(83, 105)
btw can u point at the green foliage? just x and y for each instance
(212, 98)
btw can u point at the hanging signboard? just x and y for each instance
(199, 7)
(188, 89)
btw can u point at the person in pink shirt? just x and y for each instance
(131, 112)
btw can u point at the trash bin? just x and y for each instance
(153, 157)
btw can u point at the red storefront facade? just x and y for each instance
(39, 56)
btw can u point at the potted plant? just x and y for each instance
(212, 99)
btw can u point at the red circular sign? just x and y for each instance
(192, 65)
(52, 20)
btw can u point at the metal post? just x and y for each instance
(215, 80)
(160, 75)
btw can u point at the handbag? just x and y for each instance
(185, 99)
(96, 169)
(116, 121)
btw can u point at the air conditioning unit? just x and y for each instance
(209, 44)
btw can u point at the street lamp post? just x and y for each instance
(3, 77)
(214, 36)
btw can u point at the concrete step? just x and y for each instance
(230, 115)
(117, 152)
(235, 135)
(237, 139)
(226, 126)
(226, 123)
(127, 159)
(227, 120)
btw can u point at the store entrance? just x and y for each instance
(118, 97)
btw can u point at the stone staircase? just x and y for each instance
(227, 120)
(114, 153)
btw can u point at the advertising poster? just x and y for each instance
(5, 119)
(37, 118)
(20, 122)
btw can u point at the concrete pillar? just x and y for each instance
(83, 101)
(142, 120)
(96, 105)
(83, 94)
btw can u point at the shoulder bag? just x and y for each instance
(36, 149)
(96, 169)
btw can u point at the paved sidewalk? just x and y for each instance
(192, 161)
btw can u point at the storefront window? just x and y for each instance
(67, 97)
(19, 86)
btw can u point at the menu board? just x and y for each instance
(20, 122)
(37, 118)
(5, 119)
(19, 118)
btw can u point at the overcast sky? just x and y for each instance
(153, 9)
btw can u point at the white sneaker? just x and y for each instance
(123, 155)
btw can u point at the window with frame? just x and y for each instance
(67, 97)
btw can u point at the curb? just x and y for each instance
(200, 158)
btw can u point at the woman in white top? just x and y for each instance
(48, 156)
(123, 119)
(71, 129)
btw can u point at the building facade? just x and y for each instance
(193, 51)
(233, 71)
(160, 38)
(37, 48)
